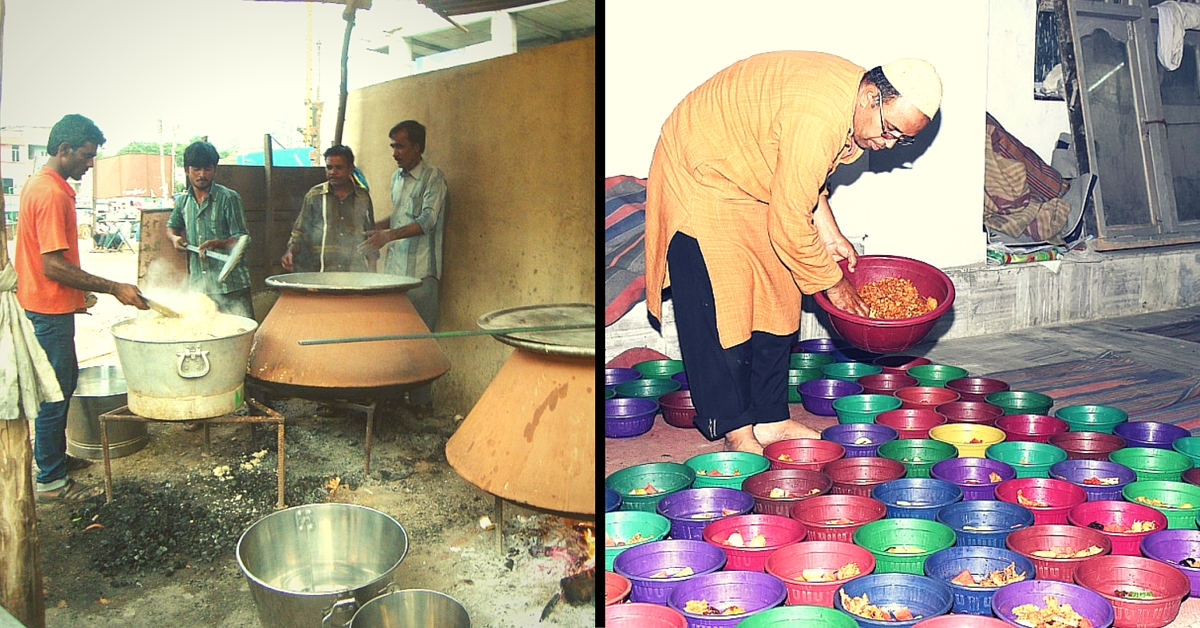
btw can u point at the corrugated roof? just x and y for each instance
(463, 7)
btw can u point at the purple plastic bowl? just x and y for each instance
(681, 377)
(754, 591)
(1172, 546)
(976, 388)
(845, 434)
(1076, 471)
(691, 509)
(818, 395)
(653, 557)
(1085, 601)
(612, 377)
(625, 417)
(819, 345)
(1150, 434)
(899, 363)
(972, 475)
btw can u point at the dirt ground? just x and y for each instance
(164, 553)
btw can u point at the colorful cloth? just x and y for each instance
(624, 245)
(1021, 194)
(418, 196)
(46, 223)
(335, 249)
(219, 217)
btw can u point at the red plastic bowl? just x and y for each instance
(820, 514)
(1087, 445)
(911, 422)
(643, 615)
(1043, 537)
(885, 383)
(973, 412)
(899, 363)
(976, 388)
(890, 336)
(789, 563)
(1192, 476)
(811, 454)
(616, 588)
(961, 621)
(925, 396)
(1036, 428)
(677, 408)
(857, 476)
(1108, 573)
(1059, 496)
(798, 481)
(1122, 513)
(778, 531)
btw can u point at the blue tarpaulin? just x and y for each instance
(305, 156)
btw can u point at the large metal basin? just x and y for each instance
(101, 389)
(412, 608)
(316, 565)
(185, 380)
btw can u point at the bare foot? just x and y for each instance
(742, 439)
(767, 433)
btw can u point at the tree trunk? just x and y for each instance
(21, 563)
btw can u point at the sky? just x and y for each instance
(229, 69)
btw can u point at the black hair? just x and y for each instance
(340, 150)
(413, 130)
(73, 129)
(200, 154)
(886, 90)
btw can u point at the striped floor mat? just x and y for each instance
(1186, 330)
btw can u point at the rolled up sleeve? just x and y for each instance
(433, 201)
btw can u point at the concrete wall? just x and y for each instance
(132, 175)
(515, 137)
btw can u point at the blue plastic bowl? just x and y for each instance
(993, 521)
(1150, 434)
(626, 417)
(924, 596)
(818, 395)
(612, 500)
(1076, 471)
(944, 565)
(845, 434)
(922, 497)
(754, 591)
(691, 509)
(640, 562)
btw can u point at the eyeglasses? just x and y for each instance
(901, 139)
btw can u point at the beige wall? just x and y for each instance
(516, 139)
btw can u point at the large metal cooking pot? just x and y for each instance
(341, 305)
(183, 380)
(101, 389)
(412, 608)
(316, 565)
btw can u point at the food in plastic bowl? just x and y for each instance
(890, 336)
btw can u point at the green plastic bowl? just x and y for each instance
(1152, 463)
(929, 536)
(800, 615)
(936, 374)
(609, 393)
(849, 371)
(809, 360)
(917, 454)
(1030, 459)
(797, 376)
(726, 462)
(647, 388)
(863, 408)
(1021, 402)
(1190, 447)
(624, 524)
(1171, 493)
(659, 369)
(1085, 418)
(666, 477)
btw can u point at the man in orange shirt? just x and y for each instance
(50, 288)
(737, 212)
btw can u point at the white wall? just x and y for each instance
(659, 51)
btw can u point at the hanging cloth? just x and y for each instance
(1173, 19)
(26, 377)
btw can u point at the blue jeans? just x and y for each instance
(56, 334)
(425, 301)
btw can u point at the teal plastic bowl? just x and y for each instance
(659, 369)
(849, 371)
(623, 525)
(1021, 402)
(647, 388)
(936, 374)
(1151, 463)
(1029, 459)
(1173, 495)
(917, 455)
(733, 466)
(664, 477)
(1190, 447)
(797, 376)
(809, 360)
(863, 408)
(1086, 418)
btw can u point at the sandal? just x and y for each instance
(71, 492)
(192, 426)
(75, 464)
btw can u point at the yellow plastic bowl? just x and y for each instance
(961, 434)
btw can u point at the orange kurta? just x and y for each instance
(739, 166)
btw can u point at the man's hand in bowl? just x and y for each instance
(844, 297)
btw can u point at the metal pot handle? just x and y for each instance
(192, 363)
(344, 608)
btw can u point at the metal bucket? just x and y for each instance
(185, 380)
(314, 566)
(101, 389)
(412, 608)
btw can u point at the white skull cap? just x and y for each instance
(918, 82)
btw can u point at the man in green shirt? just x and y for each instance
(333, 220)
(211, 214)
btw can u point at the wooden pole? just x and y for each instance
(269, 217)
(348, 15)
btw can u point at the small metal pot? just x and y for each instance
(101, 389)
(412, 608)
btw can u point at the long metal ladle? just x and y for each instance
(446, 334)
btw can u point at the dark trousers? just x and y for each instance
(731, 388)
(56, 335)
